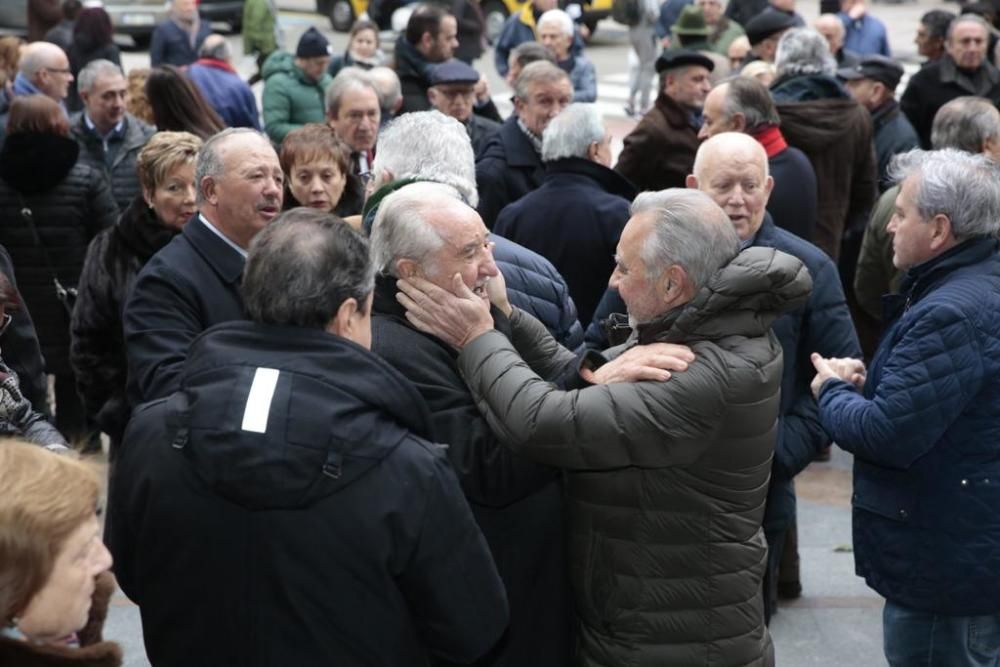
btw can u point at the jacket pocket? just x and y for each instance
(984, 636)
(887, 493)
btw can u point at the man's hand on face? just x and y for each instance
(642, 362)
(848, 370)
(457, 317)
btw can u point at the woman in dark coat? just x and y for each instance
(93, 39)
(51, 206)
(167, 202)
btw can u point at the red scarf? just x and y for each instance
(217, 64)
(771, 139)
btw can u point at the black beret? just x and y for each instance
(877, 68)
(672, 58)
(453, 71)
(767, 23)
(312, 44)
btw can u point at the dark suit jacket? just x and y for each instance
(190, 285)
(171, 46)
(509, 169)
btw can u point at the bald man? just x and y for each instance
(833, 31)
(42, 70)
(732, 169)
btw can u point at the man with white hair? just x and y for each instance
(556, 31)
(921, 419)
(665, 480)
(732, 169)
(42, 70)
(424, 229)
(222, 85)
(575, 218)
(354, 112)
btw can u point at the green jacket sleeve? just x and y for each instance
(277, 108)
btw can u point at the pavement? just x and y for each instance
(837, 621)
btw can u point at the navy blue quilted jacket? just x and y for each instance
(926, 439)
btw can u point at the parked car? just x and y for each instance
(343, 13)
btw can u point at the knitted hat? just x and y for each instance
(312, 44)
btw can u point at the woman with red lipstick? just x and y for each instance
(115, 257)
(318, 172)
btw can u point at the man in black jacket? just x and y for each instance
(193, 282)
(431, 37)
(287, 507)
(453, 93)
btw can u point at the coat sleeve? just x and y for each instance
(864, 183)
(645, 424)
(103, 208)
(492, 186)
(450, 580)
(931, 374)
(543, 354)
(157, 48)
(585, 85)
(875, 272)
(277, 104)
(20, 346)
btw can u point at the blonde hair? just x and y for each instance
(138, 103)
(758, 69)
(164, 152)
(45, 498)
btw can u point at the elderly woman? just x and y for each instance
(52, 206)
(318, 171)
(166, 172)
(54, 580)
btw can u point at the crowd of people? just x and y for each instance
(389, 379)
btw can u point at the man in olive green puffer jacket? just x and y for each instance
(666, 479)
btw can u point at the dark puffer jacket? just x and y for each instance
(121, 170)
(98, 345)
(666, 480)
(925, 439)
(70, 203)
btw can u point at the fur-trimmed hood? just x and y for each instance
(33, 162)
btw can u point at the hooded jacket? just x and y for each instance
(291, 99)
(835, 132)
(312, 525)
(97, 353)
(666, 480)
(70, 203)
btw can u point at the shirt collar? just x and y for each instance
(215, 230)
(116, 130)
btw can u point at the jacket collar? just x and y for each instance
(517, 146)
(141, 231)
(977, 82)
(609, 180)
(216, 64)
(224, 260)
(922, 278)
(885, 114)
(674, 114)
(410, 62)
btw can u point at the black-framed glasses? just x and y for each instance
(5, 323)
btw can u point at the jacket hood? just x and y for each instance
(816, 125)
(141, 231)
(409, 61)
(36, 162)
(805, 87)
(743, 298)
(279, 61)
(277, 417)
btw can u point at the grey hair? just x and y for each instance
(967, 18)
(963, 186)
(690, 230)
(388, 87)
(37, 56)
(571, 133)
(748, 96)
(96, 69)
(561, 20)
(540, 71)
(965, 123)
(429, 146)
(402, 229)
(347, 80)
(804, 51)
(210, 162)
(302, 267)
(217, 49)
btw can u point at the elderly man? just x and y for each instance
(659, 152)
(193, 282)
(511, 163)
(764, 32)
(429, 146)
(110, 138)
(744, 104)
(666, 551)
(353, 111)
(931, 34)
(523, 55)
(42, 70)
(555, 32)
(576, 217)
(431, 37)
(969, 124)
(453, 93)
(390, 92)
(963, 70)
(833, 31)
(294, 86)
(835, 132)
(732, 169)
(873, 84)
(176, 41)
(424, 230)
(519, 29)
(314, 502)
(921, 422)
(222, 85)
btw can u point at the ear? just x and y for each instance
(147, 196)
(518, 105)
(991, 145)
(343, 323)
(691, 182)
(407, 268)
(672, 284)
(941, 234)
(592, 150)
(432, 96)
(426, 41)
(739, 122)
(768, 186)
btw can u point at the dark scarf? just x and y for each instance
(141, 231)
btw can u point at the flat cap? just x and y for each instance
(453, 71)
(672, 58)
(767, 23)
(875, 67)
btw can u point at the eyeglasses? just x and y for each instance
(5, 323)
